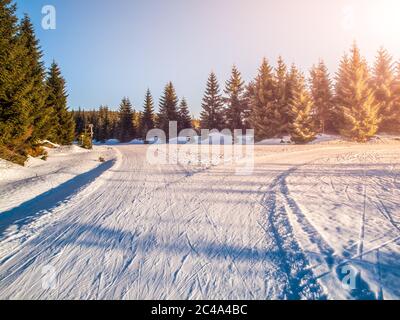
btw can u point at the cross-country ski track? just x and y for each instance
(130, 230)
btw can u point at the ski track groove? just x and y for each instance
(285, 262)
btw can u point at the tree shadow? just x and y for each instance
(24, 213)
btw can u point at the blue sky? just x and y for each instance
(110, 49)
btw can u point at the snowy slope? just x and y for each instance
(140, 231)
(29, 194)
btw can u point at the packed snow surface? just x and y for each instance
(296, 228)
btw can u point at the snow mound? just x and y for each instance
(136, 141)
(325, 138)
(275, 141)
(47, 142)
(112, 142)
(385, 139)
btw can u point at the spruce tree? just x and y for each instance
(184, 118)
(15, 117)
(292, 81)
(235, 101)
(359, 111)
(137, 116)
(321, 91)
(80, 121)
(62, 122)
(147, 120)
(102, 124)
(168, 108)
(280, 120)
(384, 85)
(211, 116)
(396, 103)
(262, 103)
(302, 126)
(126, 130)
(35, 81)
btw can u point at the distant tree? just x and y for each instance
(359, 111)
(63, 125)
(147, 120)
(80, 121)
(196, 125)
(302, 126)
(137, 116)
(384, 85)
(126, 130)
(263, 101)
(184, 118)
(322, 95)
(102, 126)
(212, 116)
(235, 101)
(168, 108)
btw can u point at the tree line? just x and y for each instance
(33, 100)
(127, 124)
(357, 103)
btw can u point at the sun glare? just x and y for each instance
(383, 18)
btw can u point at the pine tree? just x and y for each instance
(137, 116)
(102, 124)
(147, 120)
(184, 118)
(383, 83)
(212, 114)
(168, 108)
(396, 101)
(80, 121)
(62, 123)
(235, 101)
(359, 112)
(321, 91)
(126, 130)
(35, 80)
(292, 81)
(302, 125)
(280, 120)
(15, 117)
(262, 102)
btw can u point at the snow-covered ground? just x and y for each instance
(128, 229)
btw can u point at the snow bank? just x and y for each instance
(19, 184)
(275, 141)
(136, 141)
